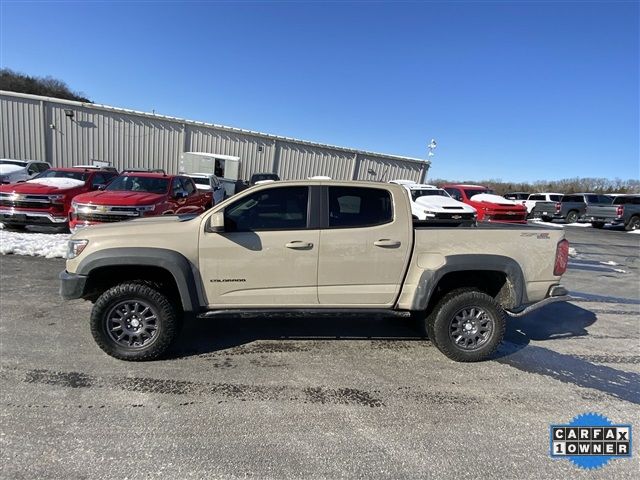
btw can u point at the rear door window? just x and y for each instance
(351, 207)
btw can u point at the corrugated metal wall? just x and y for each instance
(38, 128)
(302, 161)
(22, 125)
(383, 170)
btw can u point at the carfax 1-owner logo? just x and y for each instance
(590, 440)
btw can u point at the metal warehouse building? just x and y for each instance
(66, 133)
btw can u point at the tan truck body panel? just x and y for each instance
(346, 267)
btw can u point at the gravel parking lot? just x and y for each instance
(320, 398)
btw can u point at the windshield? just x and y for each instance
(134, 183)
(470, 193)
(201, 181)
(13, 162)
(63, 174)
(258, 177)
(415, 194)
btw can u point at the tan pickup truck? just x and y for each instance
(311, 247)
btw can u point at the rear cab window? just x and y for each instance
(351, 207)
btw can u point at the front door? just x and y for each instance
(268, 254)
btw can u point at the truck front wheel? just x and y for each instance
(133, 321)
(467, 325)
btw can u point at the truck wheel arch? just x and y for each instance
(512, 294)
(176, 264)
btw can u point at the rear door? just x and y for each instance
(268, 253)
(364, 246)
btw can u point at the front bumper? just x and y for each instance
(22, 217)
(72, 285)
(557, 293)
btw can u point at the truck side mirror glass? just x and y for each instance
(216, 223)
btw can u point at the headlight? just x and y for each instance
(430, 214)
(74, 204)
(75, 248)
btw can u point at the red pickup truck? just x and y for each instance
(490, 207)
(134, 195)
(46, 199)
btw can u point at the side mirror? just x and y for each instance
(215, 224)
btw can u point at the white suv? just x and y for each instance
(429, 202)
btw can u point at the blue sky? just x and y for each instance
(510, 90)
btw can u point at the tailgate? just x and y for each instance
(601, 212)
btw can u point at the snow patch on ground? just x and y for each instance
(546, 224)
(619, 270)
(635, 231)
(573, 252)
(48, 245)
(610, 262)
(578, 224)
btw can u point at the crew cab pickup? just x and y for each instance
(432, 204)
(133, 195)
(46, 199)
(489, 207)
(625, 210)
(311, 248)
(571, 208)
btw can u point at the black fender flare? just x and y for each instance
(460, 263)
(174, 262)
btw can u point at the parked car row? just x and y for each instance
(85, 195)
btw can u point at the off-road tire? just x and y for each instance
(597, 225)
(167, 321)
(424, 324)
(572, 217)
(633, 224)
(449, 310)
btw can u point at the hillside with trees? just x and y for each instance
(45, 86)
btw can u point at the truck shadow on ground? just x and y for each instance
(562, 321)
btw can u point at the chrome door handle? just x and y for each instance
(299, 245)
(386, 243)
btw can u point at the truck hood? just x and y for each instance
(491, 200)
(443, 204)
(41, 187)
(120, 198)
(121, 228)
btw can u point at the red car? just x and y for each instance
(46, 198)
(133, 195)
(490, 207)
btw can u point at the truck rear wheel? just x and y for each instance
(633, 224)
(467, 325)
(572, 217)
(133, 321)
